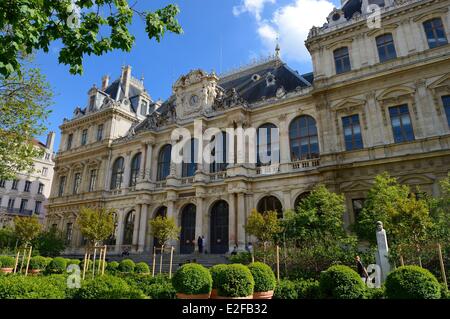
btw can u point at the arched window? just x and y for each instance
(135, 168)
(189, 154)
(299, 199)
(112, 238)
(303, 138)
(164, 162)
(128, 228)
(117, 174)
(270, 203)
(220, 153)
(265, 147)
(161, 212)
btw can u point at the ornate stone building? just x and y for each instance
(378, 100)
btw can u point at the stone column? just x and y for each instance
(241, 209)
(127, 170)
(120, 224)
(136, 226)
(148, 162)
(143, 227)
(198, 220)
(285, 157)
(171, 214)
(232, 221)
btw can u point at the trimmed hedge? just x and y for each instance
(73, 262)
(263, 276)
(341, 282)
(161, 291)
(58, 265)
(7, 262)
(215, 273)
(142, 268)
(236, 281)
(112, 267)
(412, 282)
(30, 287)
(127, 265)
(285, 289)
(192, 279)
(307, 289)
(38, 262)
(108, 287)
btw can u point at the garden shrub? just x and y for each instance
(412, 282)
(73, 262)
(341, 282)
(285, 289)
(108, 287)
(126, 265)
(236, 281)
(215, 273)
(445, 292)
(7, 262)
(56, 266)
(242, 257)
(375, 293)
(192, 279)
(263, 276)
(89, 265)
(97, 263)
(160, 291)
(38, 262)
(307, 289)
(30, 287)
(112, 267)
(142, 268)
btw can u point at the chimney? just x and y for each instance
(105, 82)
(50, 141)
(125, 79)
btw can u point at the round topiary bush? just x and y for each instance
(112, 267)
(161, 291)
(97, 264)
(73, 262)
(127, 265)
(142, 268)
(7, 262)
(285, 289)
(341, 282)
(215, 274)
(192, 279)
(107, 287)
(56, 266)
(236, 281)
(263, 276)
(38, 263)
(412, 282)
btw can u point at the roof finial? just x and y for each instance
(277, 48)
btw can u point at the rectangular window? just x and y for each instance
(15, 184)
(23, 205)
(69, 230)
(11, 203)
(144, 108)
(100, 132)
(342, 60)
(435, 32)
(92, 99)
(446, 102)
(357, 205)
(352, 133)
(84, 137)
(92, 180)
(41, 188)
(69, 141)
(401, 123)
(2, 183)
(76, 183)
(37, 207)
(62, 183)
(47, 156)
(386, 47)
(44, 171)
(27, 186)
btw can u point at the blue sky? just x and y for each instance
(218, 35)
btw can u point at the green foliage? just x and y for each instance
(192, 279)
(341, 282)
(412, 282)
(236, 281)
(263, 276)
(89, 265)
(49, 243)
(38, 262)
(164, 228)
(7, 262)
(375, 293)
(31, 287)
(112, 267)
(27, 228)
(73, 262)
(107, 287)
(307, 289)
(285, 289)
(215, 274)
(97, 264)
(440, 214)
(96, 225)
(242, 257)
(141, 268)
(127, 265)
(101, 27)
(58, 265)
(263, 226)
(7, 239)
(161, 291)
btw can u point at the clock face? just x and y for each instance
(193, 100)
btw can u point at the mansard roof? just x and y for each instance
(351, 7)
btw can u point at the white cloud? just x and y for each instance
(254, 7)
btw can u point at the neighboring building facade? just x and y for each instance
(378, 100)
(27, 195)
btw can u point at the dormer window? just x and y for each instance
(270, 79)
(144, 108)
(342, 60)
(255, 77)
(92, 102)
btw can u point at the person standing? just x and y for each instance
(204, 244)
(200, 244)
(362, 271)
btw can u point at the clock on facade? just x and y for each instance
(193, 100)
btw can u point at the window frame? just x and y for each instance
(385, 45)
(353, 141)
(403, 139)
(340, 60)
(161, 168)
(299, 138)
(84, 136)
(435, 35)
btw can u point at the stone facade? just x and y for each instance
(370, 106)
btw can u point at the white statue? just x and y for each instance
(382, 251)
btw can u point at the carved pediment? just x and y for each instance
(349, 104)
(442, 82)
(416, 180)
(193, 77)
(355, 186)
(396, 93)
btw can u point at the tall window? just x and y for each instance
(128, 228)
(135, 167)
(386, 47)
(69, 141)
(23, 205)
(270, 203)
(2, 183)
(164, 162)
(189, 154)
(446, 102)
(100, 132)
(15, 184)
(401, 123)
(44, 171)
(27, 186)
(62, 184)
(352, 132)
(92, 180)
(40, 188)
(117, 174)
(264, 148)
(76, 183)
(69, 231)
(357, 205)
(435, 32)
(84, 134)
(144, 108)
(37, 207)
(11, 203)
(220, 153)
(342, 60)
(303, 138)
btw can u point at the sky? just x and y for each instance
(219, 35)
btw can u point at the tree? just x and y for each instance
(84, 27)
(164, 229)
(49, 243)
(96, 224)
(264, 226)
(440, 213)
(27, 228)
(24, 98)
